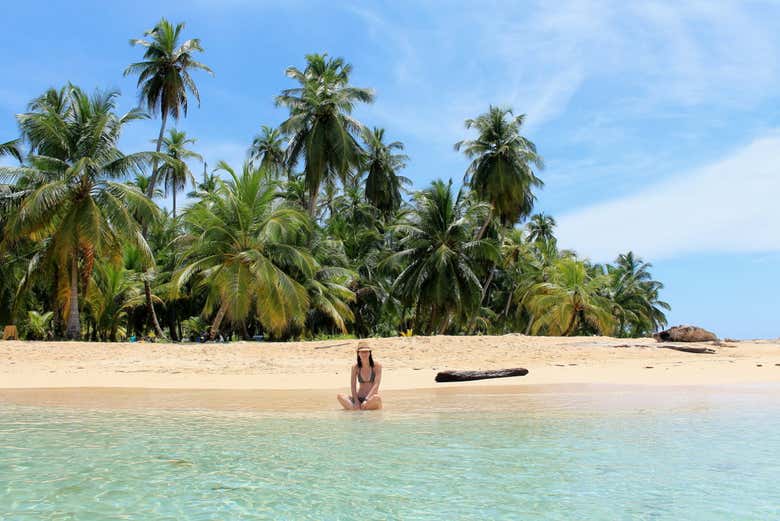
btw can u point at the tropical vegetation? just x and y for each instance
(318, 234)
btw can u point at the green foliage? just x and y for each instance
(38, 325)
(330, 252)
(164, 74)
(320, 124)
(327, 336)
(383, 184)
(194, 326)
(439, 253)
(637, 306)
(175, 174)
(541, 227)
(113, 291)
(570, 299)
(267, 151)
(501, 169)
(71, 202)
(241, 243)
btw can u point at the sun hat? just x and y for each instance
(363, 346)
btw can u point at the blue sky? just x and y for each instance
(658, 121)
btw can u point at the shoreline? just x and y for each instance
(510, 398)
(409, 363)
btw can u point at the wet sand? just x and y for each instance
(556, 399)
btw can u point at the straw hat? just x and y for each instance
(363, 346)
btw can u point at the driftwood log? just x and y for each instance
(465, 376)
(688, 349)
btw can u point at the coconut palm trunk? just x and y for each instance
(485, 225)
(150, 310)
(508, 303)
(153, 182)
(313, 203)
(74, 325)
(572, 323)
(218, 321)
(445, 324)
(150, 191)
(172, 322)
(489, 280)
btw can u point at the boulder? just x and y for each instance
(685, 333)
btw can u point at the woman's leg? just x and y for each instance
(345, 401)
(374, 403)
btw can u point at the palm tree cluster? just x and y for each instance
(316, 234)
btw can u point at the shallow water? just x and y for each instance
(604, 455)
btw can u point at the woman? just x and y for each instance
(367, 374)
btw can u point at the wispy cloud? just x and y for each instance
(727, 206)
(538, 58)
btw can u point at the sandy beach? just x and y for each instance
(409, 363)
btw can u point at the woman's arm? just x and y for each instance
(353, 383)
(377, 380)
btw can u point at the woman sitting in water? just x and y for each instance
(368, 374)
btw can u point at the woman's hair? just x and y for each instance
(370, 360)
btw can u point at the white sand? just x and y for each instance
(409, 363)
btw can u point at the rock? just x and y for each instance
(685, 334)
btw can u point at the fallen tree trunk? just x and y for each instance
(687, 349)
(465, 376)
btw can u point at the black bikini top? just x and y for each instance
(360, 379)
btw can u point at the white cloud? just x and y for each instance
(727, 206)
(537, 58)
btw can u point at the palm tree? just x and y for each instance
(141, 182)
(501, 169)
(441, 251)
(164, 76)
(320, 124)
(329, 293)
(638, 307)
(75, 205)
(176, 175)
(541, 227)
(112, 291)
(38, 324)
(355, 223)
(569, 299)
(205, 187)
(268, 149)
(242, 244)
(383, 184)
(526, 265)
(11, 148)
(164, 81)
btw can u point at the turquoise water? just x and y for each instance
(551, 456)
